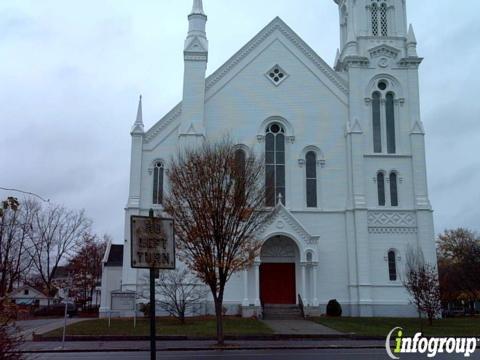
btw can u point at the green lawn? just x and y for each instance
(382, 326)
(166, 326)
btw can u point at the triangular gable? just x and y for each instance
(32, 291)
(285, 30)
(284, 218)
(230, 64)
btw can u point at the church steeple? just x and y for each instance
(138, 127)
(192, 129)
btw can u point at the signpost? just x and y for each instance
(153, 248)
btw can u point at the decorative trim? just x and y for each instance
(384, 50)
(277, 24)
(163, 123)
(284, 216)
(392, 219)
(392, 230)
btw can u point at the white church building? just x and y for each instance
(345, 159)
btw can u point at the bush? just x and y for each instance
(334, 308)
(145, 309)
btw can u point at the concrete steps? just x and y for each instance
(281, 312)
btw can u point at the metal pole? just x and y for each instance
(153, 332)
(64, 325)
(153, 350)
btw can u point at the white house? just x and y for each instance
(345, 148)
(29, 296)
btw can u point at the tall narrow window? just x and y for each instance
(374, 10)
(390, 116)
(311, 169)
(158, 183)
(240, 162)
(377, 128)
(383, 19)
(381, 188)
(274, 164)
(392, 266)
(393, 189)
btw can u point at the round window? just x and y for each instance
(382, 85)
(275, 128)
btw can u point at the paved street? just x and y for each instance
(366, 354)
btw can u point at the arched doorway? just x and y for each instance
(279, 256)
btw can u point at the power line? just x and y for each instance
(26, 192)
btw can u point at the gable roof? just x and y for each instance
(18, 292)
(230, 64)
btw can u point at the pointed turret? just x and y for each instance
(411, 43)
(138, 127)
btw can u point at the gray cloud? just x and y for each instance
(71, 74)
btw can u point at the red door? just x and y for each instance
(277, 283)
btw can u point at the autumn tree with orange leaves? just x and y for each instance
(217, 200)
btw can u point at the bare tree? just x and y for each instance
(179, 292)
(421, 281)
(15, 227)
(217, 201)
(57, 232)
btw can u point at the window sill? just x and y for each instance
(385, 155)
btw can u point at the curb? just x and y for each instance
(276, 337)
(212, 348)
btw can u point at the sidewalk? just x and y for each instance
(299, 327)
(179, 345)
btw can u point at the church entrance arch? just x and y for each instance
(279, 258)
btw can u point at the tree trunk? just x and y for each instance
(219, 315)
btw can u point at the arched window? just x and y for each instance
(393, 189)
(239, 174)
(158, 171)
(383, 19)
(274, 164)
(392, 266)
(381, 188)
(374, 10)
(311, 176)
(379, 18)
(376, 122)
(390, 117)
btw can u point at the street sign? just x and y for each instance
(153, 243)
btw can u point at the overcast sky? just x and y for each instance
(71, 72)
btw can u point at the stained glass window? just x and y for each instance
(274, 164)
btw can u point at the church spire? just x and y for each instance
(195, 54)
(138, 125)
(197, 7)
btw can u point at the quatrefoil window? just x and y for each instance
(276, 75)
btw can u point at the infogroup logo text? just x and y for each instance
(430, 346)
